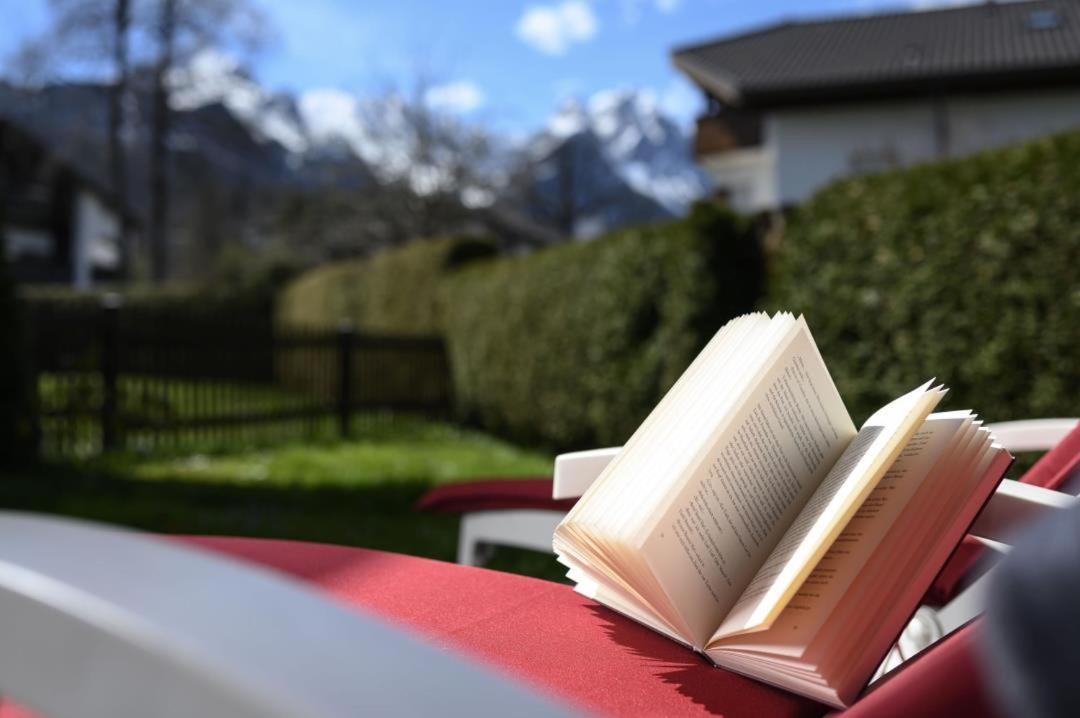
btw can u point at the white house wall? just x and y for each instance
(992, 120)
(97, 232)
(806, 148)
(816, 145)
(746, 176)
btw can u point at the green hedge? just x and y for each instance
(393, 292)
(572, 346)
(965, 270)
(155, 303)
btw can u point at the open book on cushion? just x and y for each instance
(748, 518)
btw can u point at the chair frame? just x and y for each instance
(1013, 505)
(187, 632)
(574, 472)
(101, 622)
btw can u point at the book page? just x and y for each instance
(748, 486)
(829, 510)
(926, 453)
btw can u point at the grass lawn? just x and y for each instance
(358, 492)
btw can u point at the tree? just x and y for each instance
(121, 18)
(157, 230)
(97, 35)
(93, 33)
(412, 170)
(431, 165)
(180, 29)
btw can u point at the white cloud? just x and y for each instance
(460, 97)
(632, 9)
(552, 29)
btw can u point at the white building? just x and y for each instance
(794, 106)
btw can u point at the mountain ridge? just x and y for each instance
(631, 163)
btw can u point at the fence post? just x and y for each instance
(28, 322)
(345, 351)
(110, 350)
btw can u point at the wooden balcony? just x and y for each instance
(725, 131)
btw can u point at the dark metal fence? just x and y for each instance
(116, 377)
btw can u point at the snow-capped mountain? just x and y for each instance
(212, 77)
(612, 161)
(636, 142)
(615, 161)
(644, 147)
(322, 125)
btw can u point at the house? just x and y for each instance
(793, 106)
(59, 224)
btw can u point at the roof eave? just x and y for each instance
(1034, 78)
(726, 89)
(722, 86)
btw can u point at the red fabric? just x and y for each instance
(540, 631)
(10, 710)
(1058, 464)
(568, 646)
(493, 494)
(942, 681)
(1050, 472)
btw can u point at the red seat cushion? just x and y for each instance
(492, 494)
(570, 647)
(1051, 471)
(944, 680)
(541, 631)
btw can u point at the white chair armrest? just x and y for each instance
(1014, 506)
(1031, 434)
(575, 472)
(99, 622)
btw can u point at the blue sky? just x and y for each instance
(503, 62)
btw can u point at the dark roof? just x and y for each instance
(992, 45)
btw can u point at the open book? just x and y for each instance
(748, 519)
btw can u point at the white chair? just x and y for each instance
(1013, 505)
(99, 622)
(575, 472)
(530, 528)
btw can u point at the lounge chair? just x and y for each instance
(523, 512)
(97, 621)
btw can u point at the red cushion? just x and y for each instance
(1050, 472)
(492, 494)
(567, 645)
(570, 647)
(942, 681)
(541, 631)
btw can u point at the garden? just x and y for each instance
(560, 349)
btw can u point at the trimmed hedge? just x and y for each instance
(157, 304)
(965, 270)
(392, 292)
(572, 346)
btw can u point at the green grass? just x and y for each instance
(359, 492)
(403, 450)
